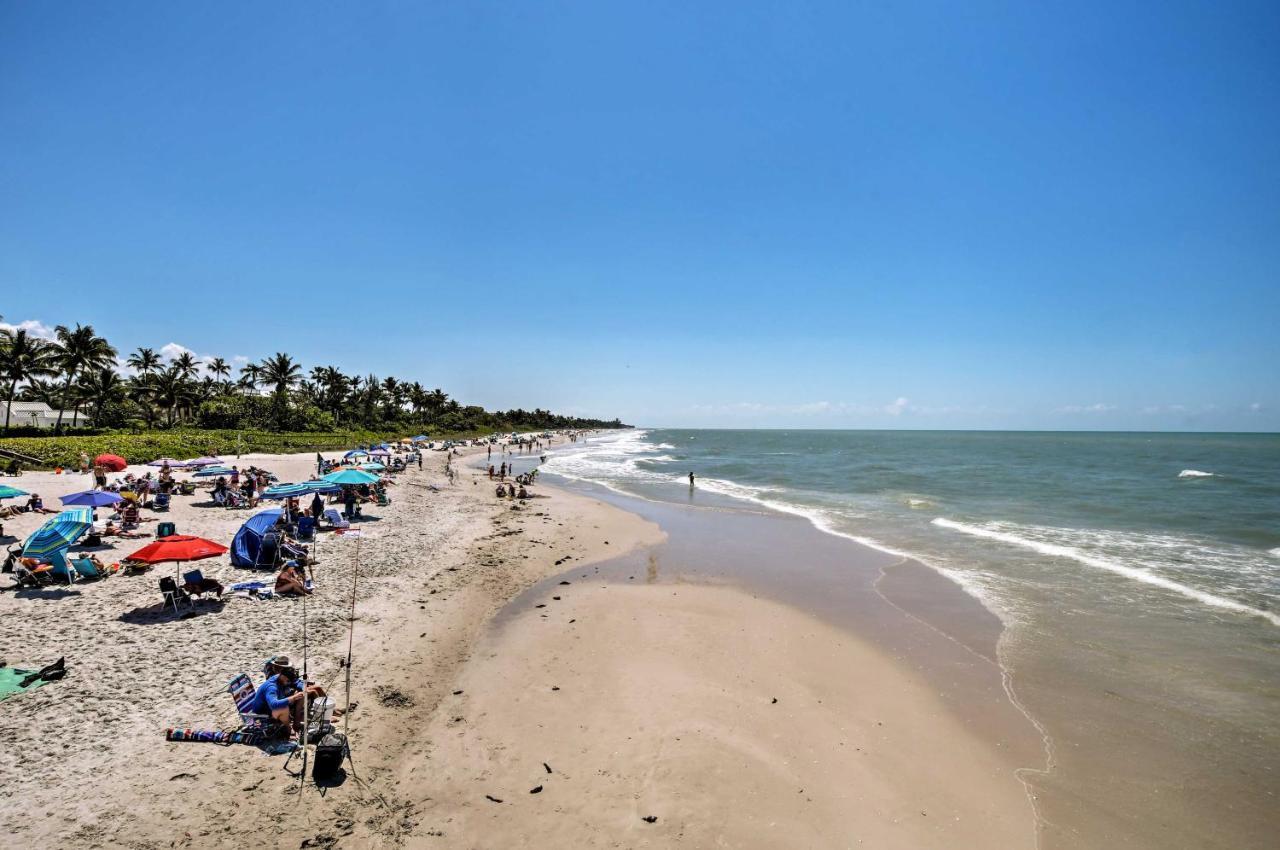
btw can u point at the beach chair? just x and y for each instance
(306, 528)
(173, 594)
(335, 518)
(160, 502)
(383, 500)
(86, 569)
(268, 556)
(165, 529)
(242, 692)
(193, 583)
(61, 569)
(187, 488)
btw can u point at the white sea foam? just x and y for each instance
(1194, 473)
(1140, 574)
(1275, 552)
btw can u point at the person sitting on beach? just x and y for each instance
(522, 493)
(290, 581)
(35, 505)
(283, 694)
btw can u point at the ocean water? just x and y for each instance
(1137, 576)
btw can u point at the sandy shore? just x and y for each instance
(621, 700)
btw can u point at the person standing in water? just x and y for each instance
(690, 480)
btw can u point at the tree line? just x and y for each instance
(77, 373)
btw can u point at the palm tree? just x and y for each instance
(22, 358)
(281, 373)
(186, 364)
(77, 350)
(144, 361)
(172, 389)
(250, 376)
(100, 388)
(220, 369)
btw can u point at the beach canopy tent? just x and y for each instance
(213, 471)
(115, 463)
(58, 533)
(356, 453)
(350, 476)
(7, 492)
(245, 545)
(91, 499)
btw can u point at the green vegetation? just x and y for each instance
(184, 406)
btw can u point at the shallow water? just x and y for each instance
(1137, 577)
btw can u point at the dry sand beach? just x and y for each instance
(511, 690)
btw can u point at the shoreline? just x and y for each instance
(479, 560)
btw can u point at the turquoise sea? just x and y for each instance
(1137, 576)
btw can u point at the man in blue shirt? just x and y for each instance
(281, 695)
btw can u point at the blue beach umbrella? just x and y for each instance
(356, 453)
(351, 476)
(321, 486)
(58, 533)
(421, 438)
(285, 491)
(212, 471)
(372, 466)
(7, 492)
(91, 499)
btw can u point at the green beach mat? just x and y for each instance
(11, 682)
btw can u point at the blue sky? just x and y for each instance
(881, 215)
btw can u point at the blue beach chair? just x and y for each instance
(61, 569)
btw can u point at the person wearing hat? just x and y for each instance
(282, 694)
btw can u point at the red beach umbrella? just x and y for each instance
(178, 547)
(115, 463)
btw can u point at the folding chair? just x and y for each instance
(165, 529)
(173, 593)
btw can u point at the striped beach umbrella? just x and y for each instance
(58, 533)
(213, 471)
(351, 476)
(285, 491)
(356, 453)
(322, 486)
(7, 492)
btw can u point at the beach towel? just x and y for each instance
(14, 681)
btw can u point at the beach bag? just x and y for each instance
(330, 753)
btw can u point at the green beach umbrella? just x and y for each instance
(350, 476)
(7, 492)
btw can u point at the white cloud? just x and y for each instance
(1255, 407)
(33, 327)
(897, 406)
(1087, 408)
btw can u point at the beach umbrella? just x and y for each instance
(421, 438)
(115, 463)
(285, 491)
(178, 548)
(58, 533)
(380, 452)
(350, 476)
(322, 486)
(356, 453)
(372, 466)
(91, 499)
(212, 471)
(204, 461)
(7, 492)
(162, 461)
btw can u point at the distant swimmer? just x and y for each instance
(690, 480)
